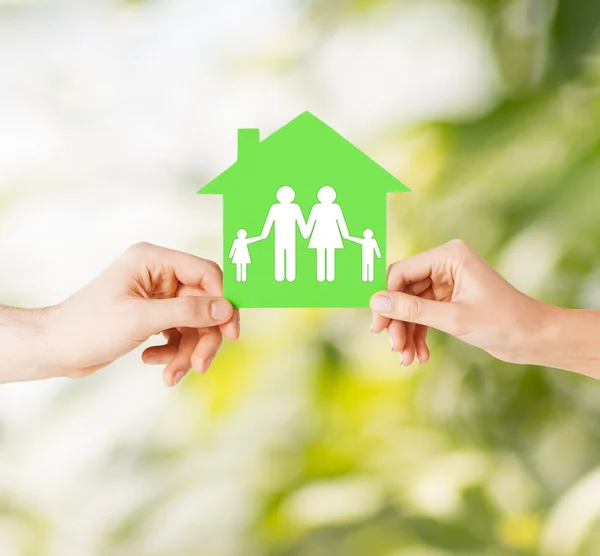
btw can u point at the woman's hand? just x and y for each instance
(454, 290)
(148, 290)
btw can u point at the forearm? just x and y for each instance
(25, 347)
(570, 341)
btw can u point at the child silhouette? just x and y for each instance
(240, 254)
(370, 248)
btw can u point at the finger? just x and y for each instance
(183, 291)
(189, 312)
(397, 335)
(426, 264)
(161, 355)
(407, 356)
(401, 306)
(231, 329)
(412, 270)
(420, 343)
(420, 336)
(206, 349)
(182, 362)
(419, 287)
(168, 334)
(379, 323)
(189, 269)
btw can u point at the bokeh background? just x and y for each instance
(306, 437)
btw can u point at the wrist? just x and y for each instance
(26, 344)
(567, 339)
(540, 344)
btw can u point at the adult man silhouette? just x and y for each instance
(284, 216)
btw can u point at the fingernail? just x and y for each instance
(401, 359)
(392, 344)
(208, 364)
(381, 304)
(220, 309)
(178, 377)
(151, 360)
(371, 327)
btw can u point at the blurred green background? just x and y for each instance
(306, 437)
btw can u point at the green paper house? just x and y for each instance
(304, 219)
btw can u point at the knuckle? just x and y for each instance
(413, 309)
(139, 248)
(458, 249)
(458, 245)
(394, 275)
(190, 309)
(390, 271)
(215, 268)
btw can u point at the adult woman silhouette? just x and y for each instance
(329, 225)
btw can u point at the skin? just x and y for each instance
(451, 288)
(149, 290)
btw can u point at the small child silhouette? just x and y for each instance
(370, 248)
(240, 253)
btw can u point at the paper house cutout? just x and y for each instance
(304, 219)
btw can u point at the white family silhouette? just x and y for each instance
(326, 228)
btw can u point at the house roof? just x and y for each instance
(310, 136)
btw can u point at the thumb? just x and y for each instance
(410, 308)
(186, 311)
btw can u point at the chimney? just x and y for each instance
(248, 141)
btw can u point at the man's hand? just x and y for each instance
(454, 290)
(148, 290)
